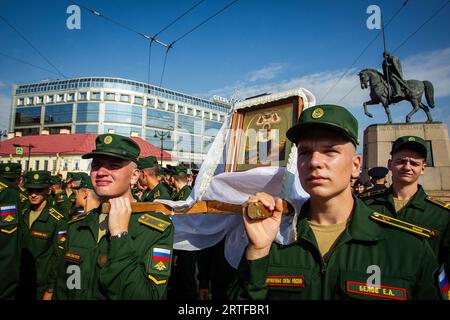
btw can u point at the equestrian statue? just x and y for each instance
(389, 87)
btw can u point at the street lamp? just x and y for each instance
(29, 146)
(161, 135)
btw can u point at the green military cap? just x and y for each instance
(84, 181)
(333, 117)
(160, 171)
(114, 145)
(178, 169)
(411, 143)
(378, 172)
(10, 170)
(69, 176)
(55, 180)
(38, 179)
(147, 162)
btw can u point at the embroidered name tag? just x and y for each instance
(72, 256)
(384, 292)
(285, 281)
(40, 235)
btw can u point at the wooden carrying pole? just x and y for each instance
(255, 210)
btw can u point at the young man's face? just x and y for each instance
(112, 177)
(326, 163)
(80, 196)
(37, 195)
(406, 166)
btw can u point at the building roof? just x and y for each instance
(76, 143)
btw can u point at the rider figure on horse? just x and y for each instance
(393, 74)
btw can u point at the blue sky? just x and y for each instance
(254, 46)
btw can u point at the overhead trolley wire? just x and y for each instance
(28, 63)
(406, 40)
(33, 46)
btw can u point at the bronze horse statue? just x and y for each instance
(412, 92)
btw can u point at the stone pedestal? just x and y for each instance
(378, 139)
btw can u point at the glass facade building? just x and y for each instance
(121, 106)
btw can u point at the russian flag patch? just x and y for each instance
(444, 284)
(160, 259)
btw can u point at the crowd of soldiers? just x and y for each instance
(63, 243)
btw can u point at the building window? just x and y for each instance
(151, 103)
(76, 165)
(181, 109)
(189, 124)
(58, 114)
(198, 113)
(160, 119)
(60, 98)
(212, 128)
(87, 112)
(50, 99)
(206, 114)
(160, 105)
(95, 95)
(167, 142)
(20, 102)
(27, 165)
(53, 166)
(71, 96)
(39, 99)
(110, 96)
(36, 164)
(45, 165)
(27, 116)
(138, 100)
(190, 112)
(86, 128)
(124, 98)
(65, 165)
(82, 96)
(171, 107)
(123, 113)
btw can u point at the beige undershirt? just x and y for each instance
(399, 204)
(34, 215)
(327, 236)
(102, 225)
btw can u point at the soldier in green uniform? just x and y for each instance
(12, 173)
(406, 199)
(182, 283)
(59, 197)
(10, 240)
(342, 248)
(179, 180)
(39, 229)
(86, 198)
(115, 255)
(150, 178)
(69, 192)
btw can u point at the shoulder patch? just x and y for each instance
(3, 186)
(438, 202)
(154, 222)
(403, 225)
(22, 197)
(55, 214)
(371, 193)
(77, 217)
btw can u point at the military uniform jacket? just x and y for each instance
(422, 211)
(405, 264)
(39, 242)
(62, 203)
(9, 239)
(158, 192)
(183, 194)
(135, 266)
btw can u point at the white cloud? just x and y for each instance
(266, 73)
(433, 66)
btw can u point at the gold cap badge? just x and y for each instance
(317, 113)
(411, 139)
(7, 169)
(36, 176)
(108, 140)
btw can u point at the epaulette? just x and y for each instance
(77, 217)
(55, 214)
(371, 193)
(400, 224)
(154, 222)
(440, 203)
(22, 197)
(3, 186)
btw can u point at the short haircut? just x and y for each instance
(152, 171)
(181, 177)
